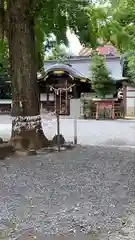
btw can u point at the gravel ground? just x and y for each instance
(89, 187)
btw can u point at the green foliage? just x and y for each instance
(4, 63)
(58, 53)
(4, 55)
(123, 12)
(102, 83)
(56, 17)
(92, 23)
(131, 67)
(113, 23)
(40, 38)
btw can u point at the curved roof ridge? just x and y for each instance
(65, 67)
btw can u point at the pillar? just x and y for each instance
(47, 96)
(75, 91)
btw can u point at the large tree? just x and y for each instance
(19, 20)
(19, 26)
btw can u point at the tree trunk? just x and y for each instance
(27, 130)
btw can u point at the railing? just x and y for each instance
(90, 115)
(119, 115)
(105, 114)
(5, 112)
(6, 109)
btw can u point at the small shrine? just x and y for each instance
(105, 108)
(59, 84)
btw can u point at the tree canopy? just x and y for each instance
(90, 22)
(55, 17)
(114, 23)
(124, 14)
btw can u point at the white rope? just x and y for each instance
(58, 91)
(61, 89)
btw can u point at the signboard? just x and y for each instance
(58, 72)
(83, 80)
(104, 104)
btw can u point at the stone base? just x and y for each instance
(29, 140)
(1, 140)
(6, 150)
(130, 112)
(55, 140)
(25, 153)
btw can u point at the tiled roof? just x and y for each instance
(107, 50)
(66, 68)
(85, 51)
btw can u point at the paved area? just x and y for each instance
(90, 187)
(89, 132)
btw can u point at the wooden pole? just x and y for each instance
(66, 100)
(75, 91)
(60, 102)
(55, 104)
(58, 131)
(97, 108)
(75, 131)
(47, 96)
(113, 111)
